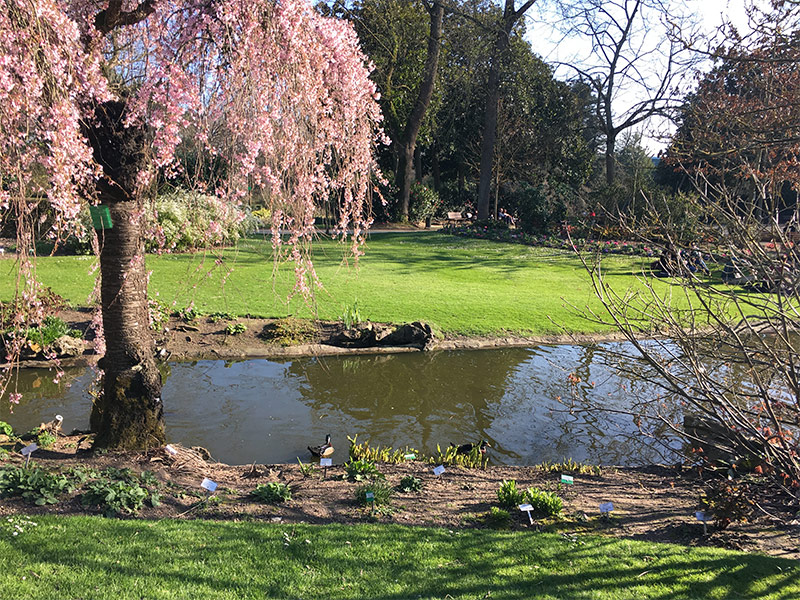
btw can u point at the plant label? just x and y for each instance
(170, 449)
(567, 479)
(525, 507)
(410, 456)
(208, 485)
(370, 497)
(700, 516)
(438, 470)
(606, 507)
(325, 462)
(26, 451)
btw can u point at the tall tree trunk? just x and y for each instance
(611, 159)
(405, 166)
(128, 415)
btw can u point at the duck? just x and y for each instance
(323, 450)
(467, 448)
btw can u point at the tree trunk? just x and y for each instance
(128, 414)
(405, 166)
(611, 159)
(490, 119)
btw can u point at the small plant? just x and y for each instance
(216, 317)
(272, 493)
(571, 466)
(5, 429)
(188, 314)
(81, 474)
(306, 469)
(496, 518)
(288, 332)
(377, 454)
(450, 456)
(361, 470)
(159, 314)
(351, 315)
(235, 328)
(409, 483)
(381, 493)
(545, 504)
(4, 454)
(45, 439)
(509, 495)
(34, 485)
(115, 497)
(728, 502)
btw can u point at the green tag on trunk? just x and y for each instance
(101, 217)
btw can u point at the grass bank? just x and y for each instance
(463, 286)
(92, 557)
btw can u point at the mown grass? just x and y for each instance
(92, 557)
(460, 285)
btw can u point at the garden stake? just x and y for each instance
(27, 451)
(371, 498)
(701, 516)
(325, 463)
(527, 508)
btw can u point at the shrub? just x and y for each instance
(272, 492)
(409, 483)
(361, 470)
(115, 497)
(34, 485)
(546, 504)
(423, 203)
(381, 492)
(509, 495)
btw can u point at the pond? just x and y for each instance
(268, 411)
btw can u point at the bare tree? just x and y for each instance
(636, 57)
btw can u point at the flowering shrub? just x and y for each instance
(424, 202)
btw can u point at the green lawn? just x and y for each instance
(461, 285)
(93, 557)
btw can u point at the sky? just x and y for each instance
(554, 47)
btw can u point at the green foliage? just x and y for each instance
(272, 493)
(216, 317)
(188, 314)
(34, 485)
(409, 483)
(539, 208)
(381, 491)
(115, 496)
(235, 328)
(496, 518)
(184, 220)
(45, 439)
(377, 454)
(351, 315)
(264, 216)
(50, 330)
(545, 504)
(509, 495)
(423, 202)
(159, 314)
(450, 456)
(570, 466)
(6, 429)
(4, 454)
(361, 470)
(306, 469)
(288, 332)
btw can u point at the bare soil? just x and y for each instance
(655, 503)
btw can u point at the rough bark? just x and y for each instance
(128, 414)
(611, 159)
(405, 167)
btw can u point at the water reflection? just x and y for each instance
(269, 411)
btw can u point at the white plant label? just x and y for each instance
(26, 451)
(370, 496)
(438, 470)
(700, 516)
(606, 507)
(170, 449)
(208, 485)
(410, 456)
(325, 462)
(567, 479)
(525, 507)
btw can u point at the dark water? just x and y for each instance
(269, 411)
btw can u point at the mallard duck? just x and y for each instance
(467, 448)
(323, 450)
